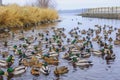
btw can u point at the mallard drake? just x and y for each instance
(19, 70)
(84, 61)
(97, 52)
(35, 71)
(53, 54)
(82, 64)
(1, 74)
(85, 55)
(3, 63)
(10, 60)
(61, 70)
(45, 69)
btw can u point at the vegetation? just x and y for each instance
(45, 3)
(17, 16)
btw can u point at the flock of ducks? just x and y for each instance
(44, 49)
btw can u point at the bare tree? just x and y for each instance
(0, 2)
(46, 3)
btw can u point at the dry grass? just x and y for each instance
(16, 16)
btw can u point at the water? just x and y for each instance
(100, 69)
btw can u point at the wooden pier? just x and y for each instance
(103, 12)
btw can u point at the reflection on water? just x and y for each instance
(101, 70)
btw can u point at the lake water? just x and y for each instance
(100, 69)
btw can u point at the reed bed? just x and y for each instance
(19, 16)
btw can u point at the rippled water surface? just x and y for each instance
(100, 69)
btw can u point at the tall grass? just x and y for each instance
(16, 16)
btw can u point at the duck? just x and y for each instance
(51, 60)
(117, 42)
(61, 70)
(38, 65)
(80, 41)
(107, 51)
(35, 71)
(3, 63)
(33, 61)
(83, 32)
(110, 39)
(97, 52)
(82, 63)
(53, 54)
(19, 70)
(94, 39)
(118, 30)
(4, 54)
(110, 57)
(45, 69)
(39, 56)
(24, 62)
(2, 74)
(75, 50)
(85, 55)
(10, 60)
(97, 31)
(66, 56)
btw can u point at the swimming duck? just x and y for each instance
(45, 69)
(24, 62)
(1, 74)
(53, 54)
(35, 71)
(110, 39)
(19, 70)
(38, 65)
(51, 60)
(117, 42)
(10, 60)
(83, 32)
(82, 63)
(33, 61)
(4, 54)
(97, 52)
(85, 55)
(3, 63)
(60, 70)
(110, 57)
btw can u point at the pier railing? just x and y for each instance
(103, 12)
